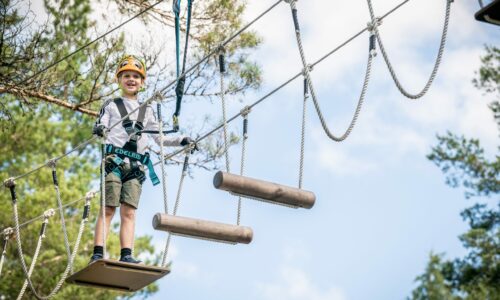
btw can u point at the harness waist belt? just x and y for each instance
(142, 158)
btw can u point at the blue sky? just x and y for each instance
(381, 206)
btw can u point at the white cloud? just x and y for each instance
(295, 284)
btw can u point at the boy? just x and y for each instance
(125, 155)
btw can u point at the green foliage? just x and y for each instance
(476, 276)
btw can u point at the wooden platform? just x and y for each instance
(490, 13)
(117, 275)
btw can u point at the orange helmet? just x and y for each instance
(131, 63)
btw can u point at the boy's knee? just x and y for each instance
(110, 211)
(127, 211)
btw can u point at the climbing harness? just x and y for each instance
(129, 150)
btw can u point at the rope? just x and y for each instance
(61, 211)
(103, 196)
(11, 185)
(7, 233)
(41, 216)
(303, 134)
(245, 113)
(307, 70)
(388, 62)
(47, 214)
(163, 176)
(159, 93)
(287, 82)
(89, 43)
(176, 206)
(222, 70)
(481, 3)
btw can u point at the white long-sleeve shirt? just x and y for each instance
(117, 136)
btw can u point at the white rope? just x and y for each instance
(61, 211)
(103, 196)
(7, 234)
(37, 252)
(303, 133)
(70, 262)
(165, 262)
(394, 76)
(311, 87)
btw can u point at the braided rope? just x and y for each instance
(103, 196)
(61, 211)
(303, 134)
(388, 62)
(7, 233)
(164, 181)
(35, 257)
(176, 206)
(224, 121)
(242, 162)
(306, 73)
(70, 262)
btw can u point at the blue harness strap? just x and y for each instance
(142, 158)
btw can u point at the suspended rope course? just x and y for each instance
(238, 185)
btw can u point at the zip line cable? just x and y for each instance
(156, 95)
(88, 44)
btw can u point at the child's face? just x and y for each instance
(130, 83)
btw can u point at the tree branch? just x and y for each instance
(46, 98)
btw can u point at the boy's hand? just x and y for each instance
(99, 130)
(187, 140)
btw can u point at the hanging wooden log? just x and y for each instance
(264, 190)
(202, 229)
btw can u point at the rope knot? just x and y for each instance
(245, 111)
(307, 69)
(8, 232)
(52, 163)
(48, 213)
(8, 183)
(373, 26)
(89, 196)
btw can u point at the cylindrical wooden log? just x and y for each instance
(267, 191)
(203, 229)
